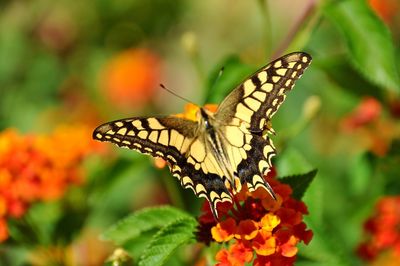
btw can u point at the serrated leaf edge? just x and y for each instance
(160, 232)
(311, 173)
(126, 219)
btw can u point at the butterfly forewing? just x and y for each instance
(258, 98)
(152, 135)
(176, 141)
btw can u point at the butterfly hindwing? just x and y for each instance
(250, 154)
(257, 163)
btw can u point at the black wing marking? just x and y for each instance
(248, 107)
(175, 140)
(249, 155)
(257, 99)
(245, 115)
(152, 135)
(257, 163)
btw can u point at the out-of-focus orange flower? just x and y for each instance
(201, 262)
(385, 9)
(3, 230)
(85, 250)
(191, 111)
(270, 231)
(40, 167)
(370, 128)
(366, 112)
(382, 233)
(131, 77)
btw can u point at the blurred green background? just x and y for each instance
(88, 62)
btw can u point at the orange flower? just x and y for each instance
(269, 222)
(224, 231)
(385, 9)
(264, 244)
(288, 243)
(131, 77)
(238, 255)
(247, 229)
(39, 168)
(271, 231)
(371, 130)
(366, 112)
(3, 230)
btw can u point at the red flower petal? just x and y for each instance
(224, 231)
(264, 244)
(289, 248)
(247, 229)
(269, 222)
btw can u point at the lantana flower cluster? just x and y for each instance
(257, 229)
(39, 168)
(382, 232)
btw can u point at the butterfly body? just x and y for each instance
(217, 153)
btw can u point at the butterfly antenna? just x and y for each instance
(174, 93)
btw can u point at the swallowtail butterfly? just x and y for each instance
(222, 151)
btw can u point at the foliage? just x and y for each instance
(299, 183)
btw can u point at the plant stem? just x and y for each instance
(298, 25)
(267, 32)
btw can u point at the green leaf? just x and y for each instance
(389, 169)
(299, 183)
(291, 160)
(360, 170)
(141, 221)
(326, 247)
(167, 240)
(137, 245)
(341, 72)
(368, 40)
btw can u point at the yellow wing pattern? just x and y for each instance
(245, 116)
(216, 156)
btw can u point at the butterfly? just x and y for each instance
(222, 151)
